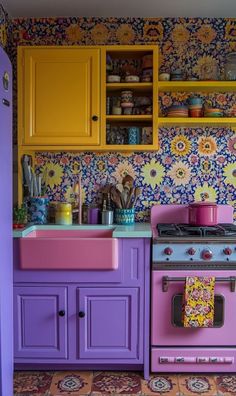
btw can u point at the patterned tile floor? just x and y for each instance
(101, 383)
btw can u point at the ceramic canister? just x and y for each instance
(126, 96)
(133, 135)
(38, 210)
(64, 213)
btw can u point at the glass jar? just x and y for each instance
(230, 67)
(64, 213)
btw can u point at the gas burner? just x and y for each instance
(187, 230)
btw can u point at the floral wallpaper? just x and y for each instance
(4, 24)
(192, 164)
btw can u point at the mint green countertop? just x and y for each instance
(137, 230)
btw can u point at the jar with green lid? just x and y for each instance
(230, 67)
(64, 213)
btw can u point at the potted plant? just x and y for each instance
(19, 216)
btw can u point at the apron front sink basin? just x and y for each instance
(89, 249)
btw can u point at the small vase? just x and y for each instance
(38, 210)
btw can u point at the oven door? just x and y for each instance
(167, 328)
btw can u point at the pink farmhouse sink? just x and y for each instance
(69, 249)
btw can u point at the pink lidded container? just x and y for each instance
(203, 213)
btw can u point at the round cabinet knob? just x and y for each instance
(191, 251)
(81, 314)
(168, 251)
(207, 254)
(227, 251)
(94, 118)
(61, 313)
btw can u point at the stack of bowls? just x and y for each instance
(177, 75)
(178, 111)
(195, 107)
(213, 112)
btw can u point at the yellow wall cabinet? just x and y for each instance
(63, 94)
(58, 96)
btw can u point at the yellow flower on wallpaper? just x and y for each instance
(123, 169)
(207, 145)
(205, 193)
(206, 68)
(232, 46)
(180, 145)
(74, 33)
(230, 30)
(206, 34)
(180, 34)
(180, 173)
(180, 96)
(153, 32)
(52, 174)
(100, 34)
(101, 165)
(230, 174)
(153, 173)
(75, 167)
(69, 195)
(125, 34)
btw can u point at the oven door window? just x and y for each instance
(177, 314)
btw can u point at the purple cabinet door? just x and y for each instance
(108, 325)
(40, 322)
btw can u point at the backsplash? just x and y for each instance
(192, 164)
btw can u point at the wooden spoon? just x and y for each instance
(137, 193)
(115, 196)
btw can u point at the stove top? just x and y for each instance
(187, 230)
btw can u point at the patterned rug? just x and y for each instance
(101, 383)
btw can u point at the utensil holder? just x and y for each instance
(38, 210)
(124, 216)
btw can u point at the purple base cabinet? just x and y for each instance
(6, 282)
(85, 319)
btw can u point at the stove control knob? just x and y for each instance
(191, 251)
(207, 254)
(227, 251)
(168, 251)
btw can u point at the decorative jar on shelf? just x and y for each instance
(230, 67)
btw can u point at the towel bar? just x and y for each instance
(166, 280)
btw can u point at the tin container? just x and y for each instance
(64, 213)
(107, 217)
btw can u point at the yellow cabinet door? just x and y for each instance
(59, 96)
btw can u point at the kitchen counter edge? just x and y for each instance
(137, 230)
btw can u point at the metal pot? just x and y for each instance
(203, 214)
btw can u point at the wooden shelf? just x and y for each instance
(138, 86)
(200, 86)
(199, 121)
(131, 117)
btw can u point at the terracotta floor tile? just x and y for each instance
(71, 383)
(116, 383)
(161, 384)
(197, 384)
(32, 383)
(226, 384)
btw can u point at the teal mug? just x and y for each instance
(124, 216)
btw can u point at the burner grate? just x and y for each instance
(187, 230)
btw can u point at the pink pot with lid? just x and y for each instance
(203, 213)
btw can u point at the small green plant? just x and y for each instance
(20, 214)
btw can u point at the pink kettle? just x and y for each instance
(203, 214)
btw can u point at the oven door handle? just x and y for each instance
(166, 280)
